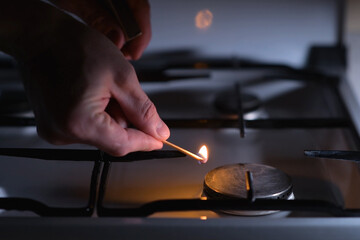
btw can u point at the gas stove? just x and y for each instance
(282, 144)
(256, 166)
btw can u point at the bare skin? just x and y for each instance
(81, 87)
(96, 16)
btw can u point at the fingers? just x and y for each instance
(109, 136)
(106, 132)
(100, 18)
(74, 101)
(139, 109)
(96, 16)
(141, 10)
(115, 112)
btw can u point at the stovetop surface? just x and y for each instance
(132, 184)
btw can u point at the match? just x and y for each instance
(193, 155)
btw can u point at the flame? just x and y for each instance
(203, 217)
(203, 19)
(203, 152)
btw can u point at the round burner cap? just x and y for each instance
(228, 182)
(227, 103)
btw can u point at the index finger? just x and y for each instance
(122, 14)
(141, 11)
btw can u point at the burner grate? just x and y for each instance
(103, 162)
(96, 156)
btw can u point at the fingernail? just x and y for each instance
(162, 130)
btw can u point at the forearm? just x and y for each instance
(27, 26)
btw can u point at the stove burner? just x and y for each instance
(228, 182)
(226, 102)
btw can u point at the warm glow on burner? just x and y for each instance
(203, 217)
(203, 19)
(201, 65)
(203, 152)
(203, 198)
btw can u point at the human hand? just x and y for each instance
(83, 90)
(98, 17)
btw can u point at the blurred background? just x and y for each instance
(299, 25)
(353, 42)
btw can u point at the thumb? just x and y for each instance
(141, 111)
(106, 134)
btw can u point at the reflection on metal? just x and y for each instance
(249, 186)
(203, 19)
(3, 194)
(201, 65)
(334, 154)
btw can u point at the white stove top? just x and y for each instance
(67, 184)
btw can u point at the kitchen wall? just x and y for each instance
(353, 42)
(353, 16)
(266, 30)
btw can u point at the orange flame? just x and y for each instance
(203, 152)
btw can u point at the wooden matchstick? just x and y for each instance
(193, 155)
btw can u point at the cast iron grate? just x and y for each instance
(96, 156)
(99, 178)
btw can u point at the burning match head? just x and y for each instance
(203, 153)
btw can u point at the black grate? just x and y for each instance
(98, 157)
(103, 161)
